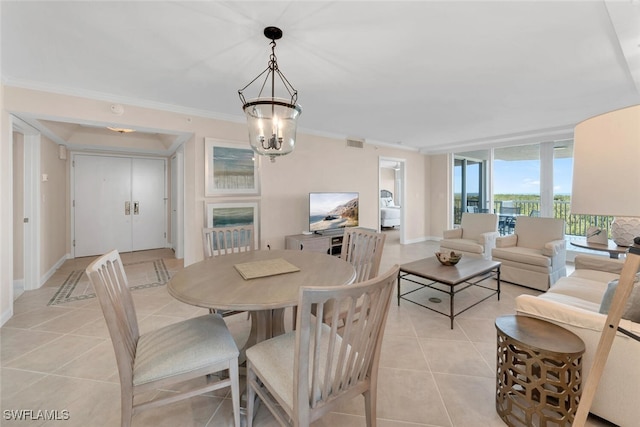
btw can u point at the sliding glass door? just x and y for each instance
(532, 180)
(470, 179)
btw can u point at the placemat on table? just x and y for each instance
(268, 267)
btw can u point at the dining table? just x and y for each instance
(217, 283)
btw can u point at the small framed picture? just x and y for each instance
(230, 169)
(229, 214)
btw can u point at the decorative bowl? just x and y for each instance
(448, 258)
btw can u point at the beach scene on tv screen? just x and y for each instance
(332, 210)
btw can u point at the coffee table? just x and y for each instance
(454, 279)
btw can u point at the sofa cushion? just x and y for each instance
(567, 310)
(579, 287)
(632, 307)
(603, 277)
(571, 300)
(522, 255)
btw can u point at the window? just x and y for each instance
(470, 183)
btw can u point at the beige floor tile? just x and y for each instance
(408, 395)
(17, 342)
(470, 400)
(57, 353)
(15, 380)
(70, 321)
(402, 353)
(36, 317)
(456, 358)
(99, 363)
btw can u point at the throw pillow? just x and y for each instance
(632, 308)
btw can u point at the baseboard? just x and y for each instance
(18, 288)
(421, 239)
(6, 315)
(53, 269)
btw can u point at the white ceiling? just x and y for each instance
(434, 75)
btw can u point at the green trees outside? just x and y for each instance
(576, 225)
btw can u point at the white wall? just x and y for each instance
(54, 208)
(388, 180)
(317, 164)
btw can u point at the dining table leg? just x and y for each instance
(265, 324)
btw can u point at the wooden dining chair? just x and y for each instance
(304, 374)
(180, 352)
(228, 240)
(362, 248)
(220, 241)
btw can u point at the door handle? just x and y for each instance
(136, 208)
(127, 208)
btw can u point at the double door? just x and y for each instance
(119, 203)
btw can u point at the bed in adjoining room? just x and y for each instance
(389, 212)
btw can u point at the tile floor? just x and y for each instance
(60, 358)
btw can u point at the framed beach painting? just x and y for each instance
(230, 169)
(229, 214)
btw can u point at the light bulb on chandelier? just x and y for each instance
(280, 112)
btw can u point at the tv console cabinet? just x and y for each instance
(327, 244)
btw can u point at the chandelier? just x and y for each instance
(272, 121)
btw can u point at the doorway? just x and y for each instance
(392, 195)
(118, 203)
(26, 207)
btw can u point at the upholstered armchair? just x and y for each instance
(535, 255)
(475, 237)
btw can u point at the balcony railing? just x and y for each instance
(575, 225)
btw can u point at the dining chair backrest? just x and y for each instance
(363, 249)
(227, 240)
(111, 287)
(330, 363)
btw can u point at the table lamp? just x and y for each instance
(606, 181)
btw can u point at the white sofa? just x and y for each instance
(475, 237)
(573, 302)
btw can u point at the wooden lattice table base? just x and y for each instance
(539, 372)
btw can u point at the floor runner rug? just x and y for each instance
(141, 275)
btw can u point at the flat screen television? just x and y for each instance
(332, 211)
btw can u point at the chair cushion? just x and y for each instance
(522, 255)
(466, 245)
(182, 347)
(273, 360)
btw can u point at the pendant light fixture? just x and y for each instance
(272, 121)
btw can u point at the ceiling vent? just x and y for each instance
(355, 143)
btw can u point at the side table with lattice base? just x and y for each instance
(539, 372)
